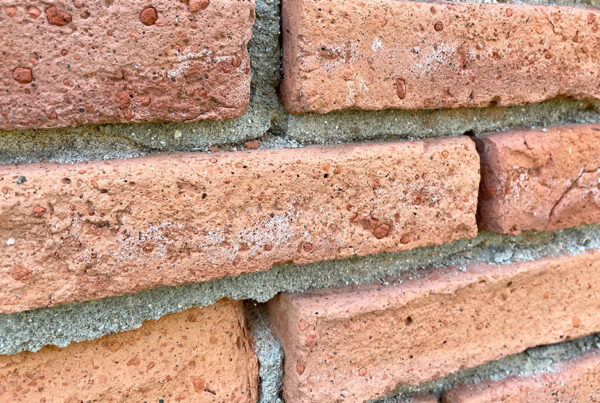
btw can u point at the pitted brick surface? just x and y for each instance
(200, 355)
(540, 180)
(573, 381)
(388, 54)
(67, 63)
(359, 343)
(97, 229)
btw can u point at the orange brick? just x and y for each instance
(360, 343)
(540, 179)
(196, 355)
(574, 381)
(97, 229)
(133, 61)
(389, 54)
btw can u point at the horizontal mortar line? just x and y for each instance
(504, 368)
(285, 140)
(61, 325)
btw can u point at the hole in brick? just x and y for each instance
(495, 101)
(66, 181)
(204, 196)
(408, 321)
(509, 284)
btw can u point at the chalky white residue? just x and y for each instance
(184, 61)
(217, 245)
(376, 45)
(154, 235)
(436, 56)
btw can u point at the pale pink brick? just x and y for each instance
(541, 179)
(199, 355)
(359, 343)
(577, 380)
(388, 54)
(67, 63)
(92, 230)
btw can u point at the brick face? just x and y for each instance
(573, 381)
(131, 61)
(93, 230)
(355, 344)
(540, 179)
(388, 54)
(196, 355)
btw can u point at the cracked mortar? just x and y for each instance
(31, 330)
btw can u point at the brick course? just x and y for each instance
(573, 381)
(387, 54)
(98, 229)
(133, 61)
(196, 355)
(542, 179)
(359, 343)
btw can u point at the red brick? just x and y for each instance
(360, 343)
(573, 381)
(92, 230)
(389, 54)
(134, 61)
(196, 355)
(423, 398)
(540, 179)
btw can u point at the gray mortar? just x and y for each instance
(61, 325)
(356, 126)
(269, 353)
(130, 140)
(543, 359)
(266, 118)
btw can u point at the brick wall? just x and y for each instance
(305, 201)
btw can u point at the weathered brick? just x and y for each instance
(388, 54)
(92, 230)
(573, 381)
(71, 63)
(196, 355)
(423, 398)
(355, 344)
(540, 179)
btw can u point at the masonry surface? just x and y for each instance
(305, 200)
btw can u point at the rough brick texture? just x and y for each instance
(540, 179)
(573, 381)
(196, 355)
(67, 63)
(97, 229)
(355, 344)
(388, 54)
